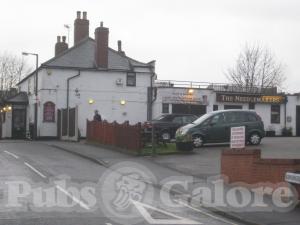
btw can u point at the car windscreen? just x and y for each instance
(202, 118)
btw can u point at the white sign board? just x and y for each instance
(237, 137)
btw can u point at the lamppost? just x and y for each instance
(35, 91)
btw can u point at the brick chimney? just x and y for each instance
(101, 51)
(60, 46)
(81, 27)
(120, 48)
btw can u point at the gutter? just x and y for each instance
(68, 96)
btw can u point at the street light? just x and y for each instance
(35, 91)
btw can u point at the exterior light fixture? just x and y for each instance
(91, 101)
(191, 91)
(1, 110)
(4, 109)
(9, 108)
(122, 102)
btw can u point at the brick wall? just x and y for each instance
(248, 166)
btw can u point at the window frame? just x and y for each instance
(165, 106)
(131, 75)
(53, 109)
(251, 106)
(273, 112)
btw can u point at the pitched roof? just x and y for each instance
(82, 56)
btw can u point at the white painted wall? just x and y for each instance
(97, 85)
(7, 125)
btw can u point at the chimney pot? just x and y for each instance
(119, 46)
(78, 14)
(84, 15)
(81, 28)
(101, 52)
(60, 46)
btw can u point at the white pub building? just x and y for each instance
(56, 100)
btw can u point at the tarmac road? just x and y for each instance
(36, 189)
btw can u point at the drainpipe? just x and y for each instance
(149, 117)
(285, 102)
(68, 96)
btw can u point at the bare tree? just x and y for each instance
(256, 67)
(12, 70)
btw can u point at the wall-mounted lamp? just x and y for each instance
(91, 101)
(122, 102)
(191, 91)
(9, 108)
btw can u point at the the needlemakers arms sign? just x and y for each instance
(240, 98)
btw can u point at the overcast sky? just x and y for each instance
(190, 39)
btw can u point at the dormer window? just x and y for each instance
(131, 79)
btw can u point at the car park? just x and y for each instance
(215, 127)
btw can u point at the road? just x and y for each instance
(36, 189)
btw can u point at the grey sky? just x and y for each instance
(190, 39)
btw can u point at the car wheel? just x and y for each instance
(254, 139)
(166, 136)
(198, 141)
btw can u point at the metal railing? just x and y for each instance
(218, 87)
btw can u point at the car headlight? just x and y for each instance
(184, 131)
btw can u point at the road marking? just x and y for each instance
(35, 170)
(82, 204)
(12, 154)
(205, 213)
(142, 208)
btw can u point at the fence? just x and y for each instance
(124, 136)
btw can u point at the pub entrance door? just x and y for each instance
(19, 122)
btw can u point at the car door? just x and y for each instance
(233, 119)
(216, 129)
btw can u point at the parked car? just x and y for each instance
(165, 126)
(215, 127)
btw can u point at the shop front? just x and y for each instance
(182, 101)
(13, 116)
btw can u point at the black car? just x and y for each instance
(165, 126)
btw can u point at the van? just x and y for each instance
(215, 127)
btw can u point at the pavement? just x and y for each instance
(85, 163)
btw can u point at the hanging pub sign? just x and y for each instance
(241, 98)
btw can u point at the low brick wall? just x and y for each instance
(247, 166)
